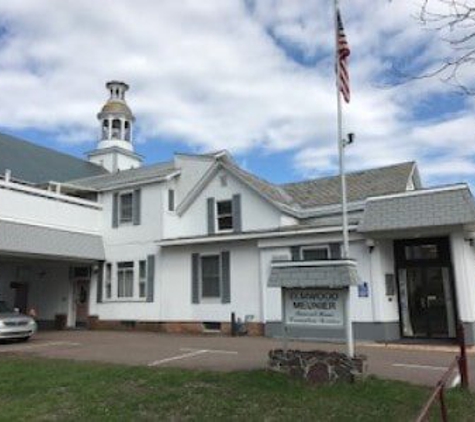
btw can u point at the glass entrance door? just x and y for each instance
(428, 304)
(426, 300)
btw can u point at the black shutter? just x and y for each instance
(295, 253)
(335, 250)
(115, 210)
(100, 278)
(171, 200)
(195, 278)
(211, 215)
(150, 277)
(136, 207)
(236, 209)
(225, 277)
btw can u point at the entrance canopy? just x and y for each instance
(448, 206)
(27, 239)
(334, 274)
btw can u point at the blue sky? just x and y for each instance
(252, 76)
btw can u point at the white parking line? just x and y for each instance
(224, 352)
(191, 353)
(184, 356)
(429, 367)
(18, 348)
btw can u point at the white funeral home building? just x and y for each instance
(179, 246)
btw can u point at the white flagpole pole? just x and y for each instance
(341, 142)
(341, 156)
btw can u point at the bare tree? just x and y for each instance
(453, 21)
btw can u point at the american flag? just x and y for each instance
(343, 54)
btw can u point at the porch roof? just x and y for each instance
(335, 274)
(27, 239)
(446, 206)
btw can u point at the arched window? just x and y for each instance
(105, 129)
(127, 131)
(116, 129)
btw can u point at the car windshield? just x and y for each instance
(4, 307)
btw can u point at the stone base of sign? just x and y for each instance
(317, 366)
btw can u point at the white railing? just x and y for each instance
(31, 205)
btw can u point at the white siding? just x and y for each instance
(256, 213)
(175, 299)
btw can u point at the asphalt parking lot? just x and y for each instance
(416, 364)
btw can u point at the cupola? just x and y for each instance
(115, 149)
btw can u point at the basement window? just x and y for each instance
(212, 326)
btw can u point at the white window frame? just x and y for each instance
(313, 248)
(121, 220)
(125, 270)
(225, 215)
(207, 299)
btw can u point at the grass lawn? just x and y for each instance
(55, 390)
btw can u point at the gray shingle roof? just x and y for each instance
(273, 192)
(36, 164)
(126, 177)
(425, 208)
(29, 239)
(360, 185)
(336, 274)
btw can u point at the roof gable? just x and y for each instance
(270, 193)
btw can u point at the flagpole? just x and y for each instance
(341, 142)
(344, 211)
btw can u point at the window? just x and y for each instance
(224, 215)
(210, 277)
(126, 207)
(81, 272)
(125, 279)
(142, 278)
(171, 200)
(108, 281)
(315, 253)
(116, 129)
(427, 251)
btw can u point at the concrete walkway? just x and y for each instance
(413, 363)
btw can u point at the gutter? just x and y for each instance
(248, 236)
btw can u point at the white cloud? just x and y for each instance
(215, 74)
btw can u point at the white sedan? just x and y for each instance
(14, 325)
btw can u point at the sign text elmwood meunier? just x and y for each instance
(314, 307)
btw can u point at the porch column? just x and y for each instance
(463, 261)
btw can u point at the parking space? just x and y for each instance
(421, 365)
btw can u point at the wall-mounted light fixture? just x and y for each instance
(470, 238)
(370, 245)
